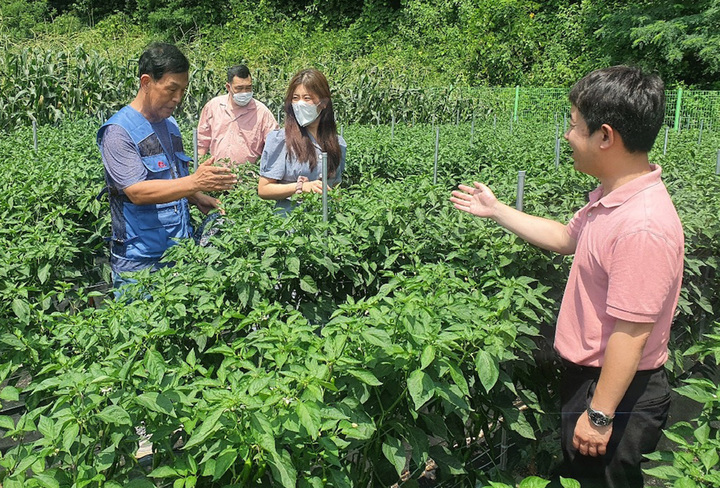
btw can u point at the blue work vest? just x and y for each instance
(144, 232)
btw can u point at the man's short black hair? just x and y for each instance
(239, 70)
(625, 98)
(160, 58)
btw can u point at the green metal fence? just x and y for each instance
(685, 109)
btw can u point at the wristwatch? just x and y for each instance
(598, 418)
(299, 184)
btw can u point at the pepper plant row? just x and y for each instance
(301, 352)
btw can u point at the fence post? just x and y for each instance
(324, 187)
(437, 147)
(678, 106)
(517, 101)
(557, 146)
(35, 143)
(472, 128)
(701, 129)
(520, 190)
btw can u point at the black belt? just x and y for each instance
(595, 371)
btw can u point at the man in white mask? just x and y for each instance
(233, 126)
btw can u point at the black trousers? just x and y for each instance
(637, 427)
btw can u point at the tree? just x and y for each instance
(678, 39)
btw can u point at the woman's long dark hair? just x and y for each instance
(297, 138)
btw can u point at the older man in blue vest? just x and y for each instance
(147, 171)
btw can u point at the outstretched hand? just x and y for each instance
(213, 178)
(480, 201)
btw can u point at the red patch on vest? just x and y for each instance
(161, 164)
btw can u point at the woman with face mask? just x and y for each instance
(291, 161)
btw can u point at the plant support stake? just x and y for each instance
(472, 128)
(195, 150)
(392, 129)
(324, 186)
(700, 136)
(437, 147)
(520, 190)
(35, 145)
(717, 165)
(667, 130)
(557, 146)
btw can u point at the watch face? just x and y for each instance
(598, 418)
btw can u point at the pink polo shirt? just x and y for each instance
(628, 265)
(227, 130)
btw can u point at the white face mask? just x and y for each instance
(305, 113)
(243, 98)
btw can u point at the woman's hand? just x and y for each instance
(314, 186)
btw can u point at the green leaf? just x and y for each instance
(458, 378)
(114, 414)
(282, 469)
(46, 427)
(365, 376)
(70, 435)
(155, 364)
(7, 422)
(427, 356)
(46, 480)
(22, 310)
(293, 265)
(377, 337)
(10, 394)
(487, 369)
(207, 428)
(43, 272)
(687, 482)
(157, 402)
(164, 472)
(307, 284)
(309, 416)
(263, 431)
(665, 472)
(709, 459)
(569, 483)
(393, 450)
(515, 419)
(696, 393)
(223, 463)
(533, 482)
(421, 388)
(702, 433)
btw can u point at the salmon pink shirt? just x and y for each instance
(227, 130)
(628, 265)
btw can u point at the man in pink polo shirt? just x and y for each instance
(235, 125)
(614, 321)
